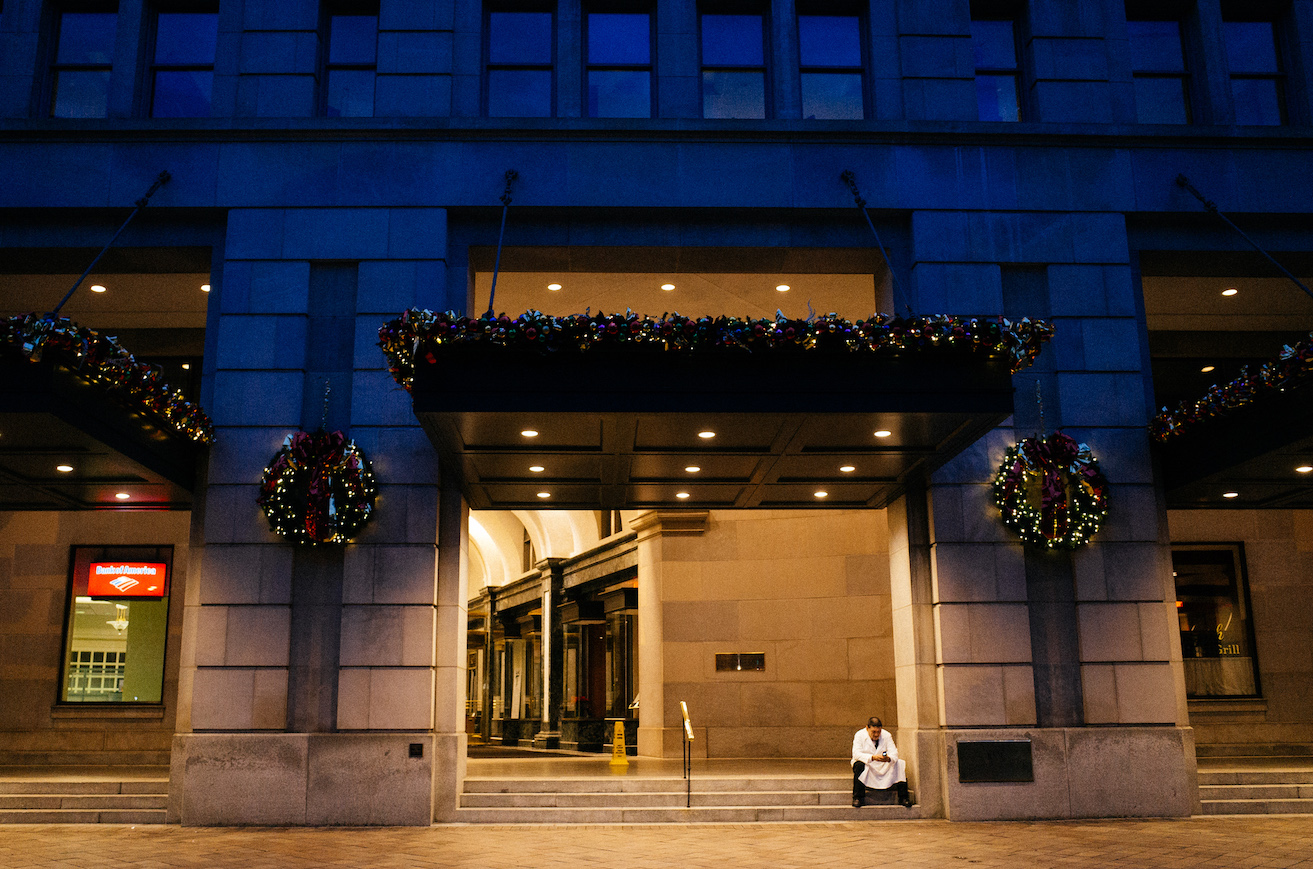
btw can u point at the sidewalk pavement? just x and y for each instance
(1232, 842)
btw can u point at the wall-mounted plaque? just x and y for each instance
(740, 661)
(995, 760)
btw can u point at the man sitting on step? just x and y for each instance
(876, 764)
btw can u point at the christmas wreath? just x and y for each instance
(1051, 491)
(318, 488)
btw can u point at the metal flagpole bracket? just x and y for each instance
(850, 179)
(511, 175)
(160, 181)
(1183, 182)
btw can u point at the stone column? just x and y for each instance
(449, 738)
(553, 652)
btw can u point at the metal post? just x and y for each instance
(141, 203)
(847, 177)
(688, 756)
(511, 175)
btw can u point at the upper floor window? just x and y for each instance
(182, 74)
(350, 63)
(619, 74)
(519, 64)
(998, 76)
(830, 66)
(733, 66)
(83, 56)
(1162, 94)
(1257, 79)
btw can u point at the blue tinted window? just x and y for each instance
(829, 40)
(619, 38)
(182, 93)
(84, 53)
(1251, 46)
(993, 44)
(1156, 46)
(832, 95)
(519, 93)
(1258, 101)
(732, 40)
(81, 94)
(353, 39)
(86, 38)
(186, 38)
(619, 93)
(349, 93)
(520, 38)
(1161, 100)
(996, 97)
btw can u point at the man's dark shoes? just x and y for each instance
(857, 804)
(905, 802)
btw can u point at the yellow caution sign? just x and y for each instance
(618, 755)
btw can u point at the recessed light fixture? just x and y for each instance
(821, 494)
(783, 288)
(1207, 368)
(1304, 469)
(681, 495)
(536, 469)
(692, 469)
(205, 288)
(883, 433)
(544, 494)
(1230, 494)
(707, 435)
(97, 288)
(1230, 291)
(122, 496)
(186, 366)
(529, 433)
(667, 287)
(64, 469)
(846, 469)
(553, 287)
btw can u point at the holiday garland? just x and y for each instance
(1290, 369)
(418, 335)
(1051, 491)
(102, 361)
(318, 489)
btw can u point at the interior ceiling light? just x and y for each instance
(846, 469)
(883, 433)
(1304, 469)
(186, 366)
(537, 469)
(97, 288)
(1230, 494)
(529, 433)
(681, 495)
(205, 288)
(1230, 291)
(544, 494)
(122, 496)
(783, 288)
(667, 287)
(692, 469)
(64, 469)
(553, 287)
(822, 494)
(1207, 368)
(707, 435)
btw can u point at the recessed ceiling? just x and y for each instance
(131, 301)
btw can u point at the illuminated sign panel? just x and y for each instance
(127, 579)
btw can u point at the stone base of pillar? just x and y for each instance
(1080, 772)
(449, 761)
(302, 779)
(547, 739)
(669, 741)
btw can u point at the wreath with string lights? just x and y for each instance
(1051, 491)
(318, 489)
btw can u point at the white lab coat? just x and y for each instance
(878, 774)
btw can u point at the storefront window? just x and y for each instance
(1213, 610)
(621, 661)
(117, 624)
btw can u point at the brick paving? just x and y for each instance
(1155, 844)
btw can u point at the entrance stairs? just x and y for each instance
(1258, 784)
(51, 795)
(650, 791)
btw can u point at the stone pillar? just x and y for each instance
(553, 652)
(449, 738)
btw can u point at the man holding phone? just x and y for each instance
(876, 764)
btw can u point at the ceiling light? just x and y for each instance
(186, 366)
(205, 288)
(1207, 368)
(122, 496)
(529, 433)
(821, 494)
(544, 494)
(667, 287)
(537, 469)
(1230, 291)
(1304, 469)
(64, 469)
(553, 287)
(97, 288)
(681, 495)
(1230, 494)
(692, 469)
(846, 469)
(783, 288)
(883, 433)
(706, 435)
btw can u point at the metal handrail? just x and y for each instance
(688, 756)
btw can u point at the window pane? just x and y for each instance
(86, 37)
(519, 93)
(1156, 46)
(520, 37)
(81, 94)
(619, 38)
(996, 96)
(829, 40)
(350, 93)
(182, 93)
(733, 94)
(353, 39)
(732, 40)
(1161, 101)
(619, 94)
(1257, 101)
(836, 95)
(1251, 46)
(993, 45)
(1214, 624)
(186, 38)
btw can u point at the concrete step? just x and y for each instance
(1255, 777)
(1256, 792)
(77, 800)
(700, 799)
(677, 815)
(1258, 807)
(81, 816)
(622, 784)
(52, 786)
